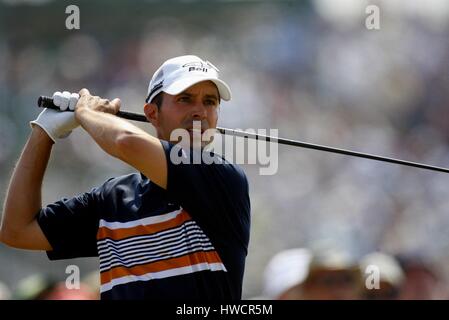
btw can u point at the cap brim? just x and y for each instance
(182, 84)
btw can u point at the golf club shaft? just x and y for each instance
(47, 102)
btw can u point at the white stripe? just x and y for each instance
(155, 236)
(154, 253)
(147, 261)
(200, 248)
(153, 250)
(153, 243)
(140, 222)
(163, 274)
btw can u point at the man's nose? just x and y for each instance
(199, 111)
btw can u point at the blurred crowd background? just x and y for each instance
(308, 68)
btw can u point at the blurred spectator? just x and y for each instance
(41, 287)
(390, 277)
(422, 281)
(33, 287)
(285, 273)
(92, 281)
(297, 274)
(60, 292)
(333, 275)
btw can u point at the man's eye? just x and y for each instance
(184, 99)
(210, 102)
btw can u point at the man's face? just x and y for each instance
(200, 102)
(331, 285)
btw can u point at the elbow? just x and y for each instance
(10, 239)
(5, 237)
(2, 231)
(114, 145)
(125, 143)
(121, 143)
(124, 138)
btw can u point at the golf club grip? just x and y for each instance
(47, 102)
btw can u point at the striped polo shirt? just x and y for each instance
(186, 242)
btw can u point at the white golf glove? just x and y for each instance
(59, 124)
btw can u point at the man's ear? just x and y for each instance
(152, 113)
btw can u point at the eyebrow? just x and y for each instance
(207, 96)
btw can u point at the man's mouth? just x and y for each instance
(192, 130)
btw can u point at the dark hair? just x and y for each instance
(158, 99)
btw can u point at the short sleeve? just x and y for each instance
(216, 194)
(71, 225)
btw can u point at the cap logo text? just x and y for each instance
(196, 66)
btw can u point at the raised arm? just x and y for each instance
(23, 200)
(120, 138)
(19, 227)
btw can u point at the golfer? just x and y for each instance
(172, 229)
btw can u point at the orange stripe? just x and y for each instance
(190, 259)
(118, 234)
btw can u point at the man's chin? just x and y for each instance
(198, 144)
(195, 141)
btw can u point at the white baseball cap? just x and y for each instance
(179, 73)
(390, 270)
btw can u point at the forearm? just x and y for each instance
(23, 199)
(107, 130)
(126, 142)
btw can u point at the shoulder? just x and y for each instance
(235, 170)
(121, 182)
(201, 166)
(232, 175)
